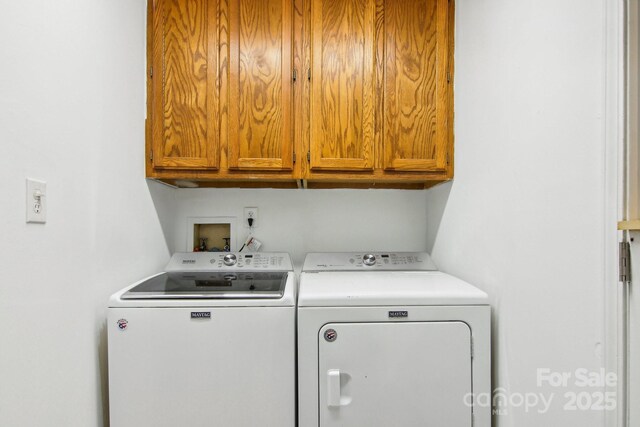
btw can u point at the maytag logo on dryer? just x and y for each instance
(201, 315)
(122, 324)
(188, 261)
(397, 314)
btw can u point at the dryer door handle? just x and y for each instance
(333, 387)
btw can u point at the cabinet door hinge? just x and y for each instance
(308, 156)
(309, 74)
(294, 157)
(624, 255)
(150, 72)
(151, 155)
(295, 75)
(448, 77)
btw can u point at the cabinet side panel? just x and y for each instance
(444, 84)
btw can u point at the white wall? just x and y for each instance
(301, 221)
(71, 113)
(633, 162)
(524, 217)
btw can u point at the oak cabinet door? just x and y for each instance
(185, 96)
(260, 80)
(342, 84)
(416, 93)
(376, 109)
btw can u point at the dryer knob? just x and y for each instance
(369, 259)
(229, 259)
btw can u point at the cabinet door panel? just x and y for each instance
(260, 104)
(342, 84)
(416, 92)
(185, 49)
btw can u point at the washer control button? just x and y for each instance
(230, 259)
(369, 259)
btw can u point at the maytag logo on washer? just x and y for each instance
(201, 315)
(394, 314)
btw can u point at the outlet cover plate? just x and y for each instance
(250, 213)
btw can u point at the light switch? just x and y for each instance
(36, 201)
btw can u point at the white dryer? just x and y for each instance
(209, 342)
(384, 339)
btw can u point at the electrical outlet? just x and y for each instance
(36, 201)
(251, 213)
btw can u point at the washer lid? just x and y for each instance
(385, 288)
(210, 285)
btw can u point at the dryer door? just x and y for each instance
(395, 374)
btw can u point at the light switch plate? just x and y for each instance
(36, 201)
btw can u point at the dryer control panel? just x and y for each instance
(229, 261)
(369, 261)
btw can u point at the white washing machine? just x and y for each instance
(384, 339)
(209, 342)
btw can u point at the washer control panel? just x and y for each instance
(369, 261)
(229, 261)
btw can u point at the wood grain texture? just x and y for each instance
(410, 84)
(631, 225)
(320, 185)
(148, 128)
(184, 84)
(224, 183)
(450, 155)
(444, 85)
(342, 84)
(378, 140)
(332, 174)
(300, 88)
(223, 83)
(260, 104)
(303, 86)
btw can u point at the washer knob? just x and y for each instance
(369, 259)
(230, 259)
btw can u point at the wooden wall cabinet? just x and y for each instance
(221, 92)
(290, 93)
